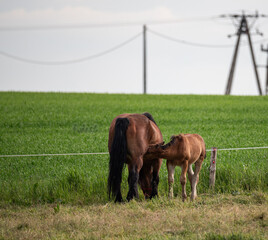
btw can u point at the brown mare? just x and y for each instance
(129, 139)
(183, 150)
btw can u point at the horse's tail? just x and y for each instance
(118, 154)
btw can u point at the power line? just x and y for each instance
(188, 42)
(195, 44)
(87, 58)
(70, 61)
(103, 25)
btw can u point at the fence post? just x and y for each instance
(212, 169)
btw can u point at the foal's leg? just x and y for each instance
(195, 179)
(171, 170)
(190, 175)
(184, 169)
(133, 179)
(155, 180)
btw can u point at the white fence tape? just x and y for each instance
(103, 153)
(52, 154)
(236, 149)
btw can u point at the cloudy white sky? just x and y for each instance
(66, 30)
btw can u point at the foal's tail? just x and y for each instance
(118, 156)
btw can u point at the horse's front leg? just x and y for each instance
(155, 180)
(198, 165)
(184, 168)
(171, 170)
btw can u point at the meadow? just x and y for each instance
(38, 123)
(65, 197)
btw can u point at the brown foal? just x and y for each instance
(183, 150)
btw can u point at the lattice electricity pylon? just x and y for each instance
(243, 28)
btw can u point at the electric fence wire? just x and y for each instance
(104, 25)
(21, 59)
(105, 153)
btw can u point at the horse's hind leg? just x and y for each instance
(184, 169)
(171, 170)
(190, 175)
(155, 180)
(195, 179)
(133, 179)
(118, 197)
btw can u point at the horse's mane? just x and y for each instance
(168, 144)
(150, 117)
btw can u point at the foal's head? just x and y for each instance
(154, 149)
(174, 140)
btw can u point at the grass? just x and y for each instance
(33, 123)
(211, 217)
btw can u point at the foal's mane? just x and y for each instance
(162, 146)
(172, 140)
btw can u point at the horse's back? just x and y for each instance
(140, 133)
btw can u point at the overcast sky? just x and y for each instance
(78, 29)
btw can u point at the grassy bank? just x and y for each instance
(241, 217)
(33, 123)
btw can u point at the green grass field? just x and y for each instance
(36, 123)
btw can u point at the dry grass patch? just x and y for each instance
(210, 217)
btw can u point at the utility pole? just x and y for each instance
(242, 29)
(266, 50)
(144, 61)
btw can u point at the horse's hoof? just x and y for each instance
(154, 194)
(184, 198)
(192, 199)
(120, 200)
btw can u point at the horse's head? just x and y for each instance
(146, 174)
(145, 180)
(147, 192)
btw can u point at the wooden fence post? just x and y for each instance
(212, 169)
